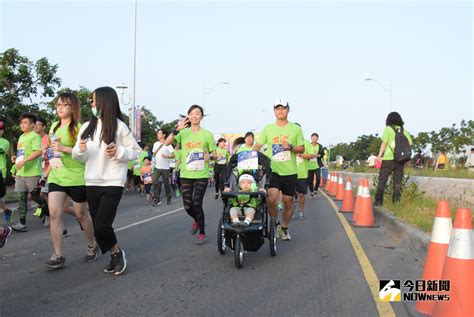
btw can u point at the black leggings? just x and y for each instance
(311, 174)
(103, 203)
(193, 195)
(219, 175)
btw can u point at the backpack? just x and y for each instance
(402, 151)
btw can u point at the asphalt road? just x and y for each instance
(314, 274)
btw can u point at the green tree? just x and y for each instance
(21, 80)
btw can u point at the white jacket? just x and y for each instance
(100, 170)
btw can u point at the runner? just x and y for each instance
(284, 140)
(302, 162)
(42, 210)
(220, 166)
(4, 147)
(315, 164)
(106, 145)
(162, 154)
(145, 174)
(195, 143)
(244, 144)
(66, 178)
(27, 165)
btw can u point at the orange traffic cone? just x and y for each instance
(321, 183)
(333, 188)
(328, 182)
(357, 201)
(459, 269)
(437, 251)
(340, 189)
(365, 215)
(348, 201)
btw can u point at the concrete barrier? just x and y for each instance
(457, 190)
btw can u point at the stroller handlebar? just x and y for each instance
(232, 194)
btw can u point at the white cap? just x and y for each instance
(246, 177)
(280, 102)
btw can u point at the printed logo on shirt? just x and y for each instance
(193, 145)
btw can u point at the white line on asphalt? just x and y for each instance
(148, 220)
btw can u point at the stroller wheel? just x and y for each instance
(273, 238)
(221, 244)
(239, 253)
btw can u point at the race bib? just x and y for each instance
(247, 160)
(147, 177)
(195, 161)
(299, 160)
(314, 160)
(279, 154)
(20, 155)
(56, 162)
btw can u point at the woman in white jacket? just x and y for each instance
(106, 145)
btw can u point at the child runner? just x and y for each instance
(145, 173)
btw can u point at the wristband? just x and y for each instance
(290, 148)
(175, 131)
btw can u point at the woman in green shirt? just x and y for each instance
(244, 144)
(220, 166)
(66, 178)
(196, 145)
(386, 154)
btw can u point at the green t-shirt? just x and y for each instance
(283, 162)
(138, 163)
(4, 147)
(225, 153)
(193, 147)
(71, 173)
(244, 147)
(389, 138)
(28, 143)
(302, 163)
(313, 149)
(177, 157)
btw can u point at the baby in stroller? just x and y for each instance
(244, 202)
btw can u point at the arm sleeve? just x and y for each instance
(128, 149)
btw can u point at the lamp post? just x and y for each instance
(388, 90)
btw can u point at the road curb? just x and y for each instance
(412, 239)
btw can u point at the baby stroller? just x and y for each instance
(249, 238)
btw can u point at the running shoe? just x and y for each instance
(279, 231)
(178, 194)
(312, 194)
(285, 235)
(4, 236)
(110, 268)
(246, 222)
(91, 254)
(300, 215)
(46, 221)
(55, 262)
(157, 202)
(8, 213)
(38, 212)
(20, 227)
(280, 207)
(120, 262)
(201, 239)
(216, 196)
(236, 223)
(65, 233)
(194, 228)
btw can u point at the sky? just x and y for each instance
(314, 54)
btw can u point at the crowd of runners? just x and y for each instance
(84, 169)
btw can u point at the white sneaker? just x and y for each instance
(285, 236)
(46, 221)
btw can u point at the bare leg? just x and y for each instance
(81, 213)
(287, 210)
(273, 194)
(56, 205)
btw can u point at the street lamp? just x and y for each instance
(389, 90)
(121, 88)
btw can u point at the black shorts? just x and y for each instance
(129, 174)
(137, 180)
(287, 184)
(148, 188)
(3, 188)
(302, 186)
(77, 193)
